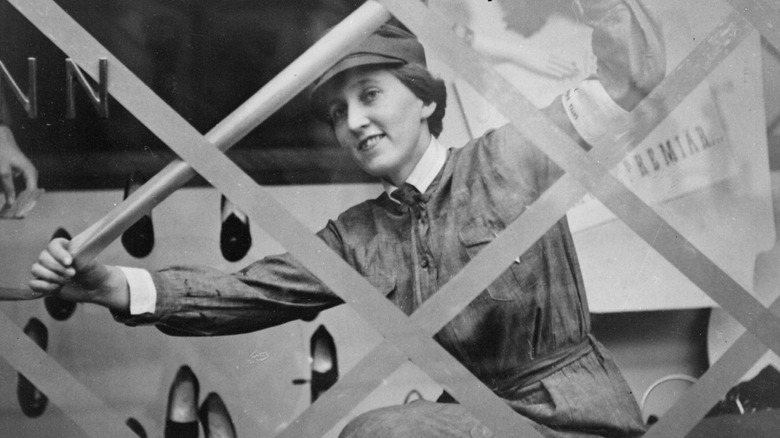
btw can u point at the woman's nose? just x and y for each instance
(357, 118)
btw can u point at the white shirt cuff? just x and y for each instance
(594, 114)
(143, 293)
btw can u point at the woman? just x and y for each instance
(527, 336)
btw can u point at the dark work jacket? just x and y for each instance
(526, 336)
(532, 310)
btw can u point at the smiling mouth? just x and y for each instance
(369, 142)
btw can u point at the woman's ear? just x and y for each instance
(428, 109)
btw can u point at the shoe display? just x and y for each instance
(181, 418)
(56, 307)
(32, 401)
(138, 240)
(234, 237)
(215, 418)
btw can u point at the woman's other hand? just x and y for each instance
(12, 163)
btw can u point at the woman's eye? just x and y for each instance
(338, 113)
(370, 94)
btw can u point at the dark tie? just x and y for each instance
(408, 195)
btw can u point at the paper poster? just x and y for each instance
(687, 152)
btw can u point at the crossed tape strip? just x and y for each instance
(522, 233)
(595, 176)
(309, 250)
(697, 400)
(75, 400)
(553, 204)
(708, 279)
(260, 106)
(683, 416)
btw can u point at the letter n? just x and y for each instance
(99, 100)
(30, 100)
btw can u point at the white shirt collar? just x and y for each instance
(427, 168)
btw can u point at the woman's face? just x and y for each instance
(380, 121)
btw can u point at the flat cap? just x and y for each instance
(387, 45)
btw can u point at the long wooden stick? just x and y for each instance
(286, 85)
(291, 81)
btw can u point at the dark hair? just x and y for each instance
(427, 88)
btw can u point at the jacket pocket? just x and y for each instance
(520, 275)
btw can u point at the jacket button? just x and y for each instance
(424, 263)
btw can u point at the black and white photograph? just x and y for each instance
(389, 218)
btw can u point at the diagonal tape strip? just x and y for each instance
(697, 400)
(309, 250)
(533, 223)
(23, 354)
(764, 15)
(595, 177)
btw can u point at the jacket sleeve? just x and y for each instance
(629, 48)
(201, 301)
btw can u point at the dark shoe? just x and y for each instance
(58, 308)
(32, 401)
(183, 397)
(138, 240)
(181, 430)
(136, 427)
(181, 418)
(215, 418)
(234, 237)
(324, 363)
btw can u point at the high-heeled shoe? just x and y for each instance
(234, 237)
(32, 401)
(215, 418)
(138, 240)
(56, 307)
(181, 418)
(324, 362)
